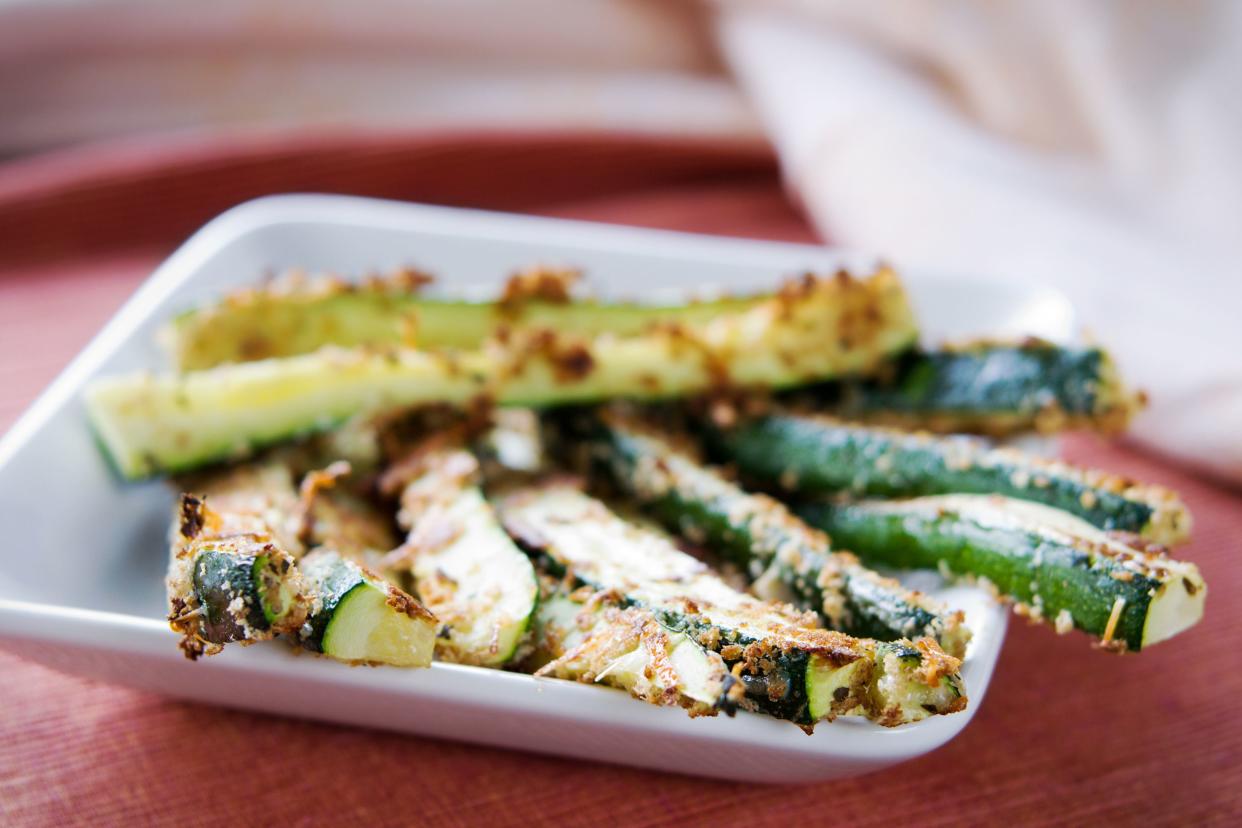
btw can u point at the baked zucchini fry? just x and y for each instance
(226, 586)
(295, 315)
(357, 615)
(359, 618)
(465, 567)
(813, 454)
(593, 638)
(766, 540)
(813, 330)
(993, 388)
(789, 668)
(1126, 592)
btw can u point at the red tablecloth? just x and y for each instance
(1067, 735)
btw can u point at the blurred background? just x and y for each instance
(1093, 146)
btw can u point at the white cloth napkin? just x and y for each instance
(1093, 145)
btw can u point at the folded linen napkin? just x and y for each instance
(1096, 147)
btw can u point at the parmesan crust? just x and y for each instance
(463, 566)
(628, 648)
(755, 638)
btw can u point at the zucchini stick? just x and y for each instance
(813, 330)
(994, 388)
(467, 570)
(358, 617)
(789, 668)
(239, 572)
(591, 637)
(297, 315)
(227, 586)
(765, 539)
(1126, 592)
(812, 454)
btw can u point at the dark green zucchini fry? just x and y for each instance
(788, 666)
(1126, 592)
(990, 387)
(810, 454)
(779, 552)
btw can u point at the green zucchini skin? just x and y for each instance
(333, 578)
(789, 668)
(812, 454)
(222, 578)
(1059, 569)
(813, 330)
(994, 388)
(761, 535)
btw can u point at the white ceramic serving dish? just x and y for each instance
(83, 556)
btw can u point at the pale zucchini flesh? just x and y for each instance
(359, 618)
(365, 628)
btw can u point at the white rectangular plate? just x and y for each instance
(82, 564)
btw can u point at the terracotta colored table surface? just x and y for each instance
(1066, 735)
